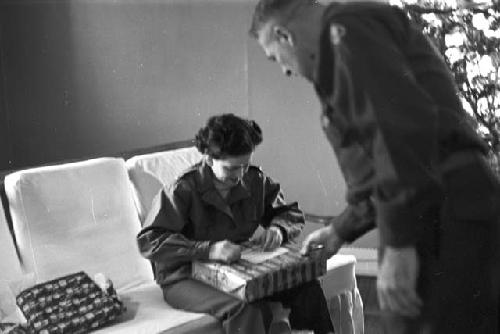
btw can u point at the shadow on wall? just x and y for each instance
(93, 77)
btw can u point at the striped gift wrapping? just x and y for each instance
(249, 281)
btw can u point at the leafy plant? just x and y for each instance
(468, 36)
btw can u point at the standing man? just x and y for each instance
(413, 166)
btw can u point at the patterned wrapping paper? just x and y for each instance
(70, 304)
(250, 281)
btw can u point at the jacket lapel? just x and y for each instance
(208, 192)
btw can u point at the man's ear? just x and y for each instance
(283, 35)
(209, 160)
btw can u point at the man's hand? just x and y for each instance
(325, 238)
(225, 251)
(397, 282)
(269, 239)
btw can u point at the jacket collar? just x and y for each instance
(209, 193)
(323, 78)
(324, 82)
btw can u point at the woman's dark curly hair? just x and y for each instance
(228, 135)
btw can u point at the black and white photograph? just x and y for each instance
(250, 166)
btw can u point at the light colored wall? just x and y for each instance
(86, 77)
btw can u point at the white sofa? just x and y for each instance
(85, 215)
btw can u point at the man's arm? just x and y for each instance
(357, 168)
(399, 122)
(396, 120)
(354, 221)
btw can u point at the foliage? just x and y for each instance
(468, 36)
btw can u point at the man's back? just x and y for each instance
(414, 58)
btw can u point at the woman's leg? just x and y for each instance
(308, 307)
(236, 315)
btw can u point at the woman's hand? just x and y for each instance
(225, 251)
(269, 239)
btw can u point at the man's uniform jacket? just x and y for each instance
(393, 118)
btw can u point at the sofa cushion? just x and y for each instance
(77, 216)
(151, 172)
(342, 294)
(340, 275)
(147, 313)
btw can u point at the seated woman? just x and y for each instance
(215, 205)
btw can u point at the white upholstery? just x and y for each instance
(340, 275)
(78, 216)
(82, 216)
(151, 172)
(148, 313)
(366, 260)
(10, 267)
(342, 294)
(10, 270)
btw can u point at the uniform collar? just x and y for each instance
(323, 78)
(323, 82)
(210, 195)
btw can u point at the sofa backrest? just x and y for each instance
(10, 266)
(151, 172)
(10, 271)
(77, 216)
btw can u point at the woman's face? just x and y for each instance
(230, 170)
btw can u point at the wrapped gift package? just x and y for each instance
(259, 274)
